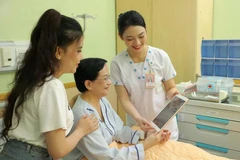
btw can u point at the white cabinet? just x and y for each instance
(214, 127)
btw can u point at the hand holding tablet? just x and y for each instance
(169, 111)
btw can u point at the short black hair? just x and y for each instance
(129, 18)
(88, 69)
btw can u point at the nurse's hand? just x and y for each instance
(172, 92)
(166, 134)
(144, 124)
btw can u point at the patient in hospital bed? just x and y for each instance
(113, 140)
(92, 79)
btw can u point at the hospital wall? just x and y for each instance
(226, 23)
(17, 19)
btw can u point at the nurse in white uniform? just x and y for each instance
(142, 75)
(92, 79)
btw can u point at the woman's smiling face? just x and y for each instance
(135, 38)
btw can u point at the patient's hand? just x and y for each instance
(154, 138)
(87, 124)
(165, 136)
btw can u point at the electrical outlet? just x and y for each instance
(7, 56)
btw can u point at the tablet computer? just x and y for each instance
(169, 111)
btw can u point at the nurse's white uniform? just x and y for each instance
(95, 145)
(148, 101)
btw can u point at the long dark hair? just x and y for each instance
(52, 30)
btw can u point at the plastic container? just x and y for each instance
(221, 49)
(233, 68)
(220, 68)
(207, 48)
(234, 48)
(207, 67)
(213, 84)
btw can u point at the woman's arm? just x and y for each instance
(170, 88)
(59, 145)
(125, 102)
(123, 134)
(129, 108)
(94, 146)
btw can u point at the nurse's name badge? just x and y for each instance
(150, 77)
(150, 80)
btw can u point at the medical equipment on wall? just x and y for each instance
(11, 54)
(84, 17)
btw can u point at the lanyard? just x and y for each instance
(150, 63)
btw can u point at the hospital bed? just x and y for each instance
(170, 150)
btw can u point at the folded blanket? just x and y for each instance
(174, 150)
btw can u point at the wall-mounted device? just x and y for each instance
(11, 54)
(7, 55)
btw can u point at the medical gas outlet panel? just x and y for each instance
(11, 54)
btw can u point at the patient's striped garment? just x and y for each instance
(95, 146)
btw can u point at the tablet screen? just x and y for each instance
(169, 111)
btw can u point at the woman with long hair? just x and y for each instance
(38, 117)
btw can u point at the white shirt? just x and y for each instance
(45, 110)
(95, 145)
(148, 102)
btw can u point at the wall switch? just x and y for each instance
(11, 54)
(7, 56)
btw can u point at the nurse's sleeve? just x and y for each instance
(115, 73)
(169, 71)
(94, 146)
